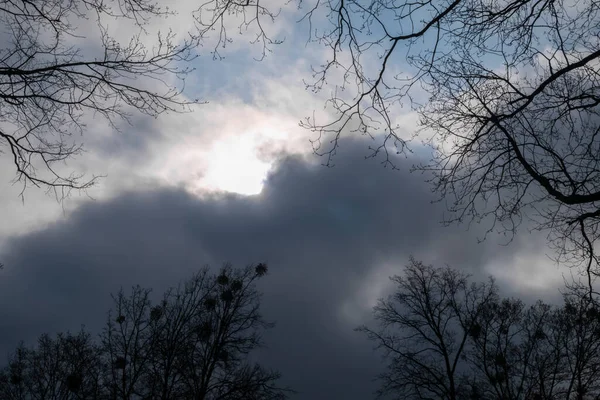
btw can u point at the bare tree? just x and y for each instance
(507, 95)
(48, 82)
(424, 329)
(222, 326)
(578, 322)
(538, 352)
(62, 368)
(193, 344)
(214, 17)
(54, 75)
(509, 353)
(14, 383)
(127, 345)
(444, 338)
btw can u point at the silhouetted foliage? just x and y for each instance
(261, 269)
(178, 349)
(445, 338)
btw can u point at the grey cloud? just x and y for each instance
(323, 231)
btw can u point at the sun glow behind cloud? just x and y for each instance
(234, 166)
(237, 158)
(226, 146)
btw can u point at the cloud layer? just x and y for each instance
(331, 236)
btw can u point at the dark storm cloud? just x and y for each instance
(323, 231)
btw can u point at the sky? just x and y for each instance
(236, 180)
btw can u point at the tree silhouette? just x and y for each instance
(445, 338)
(424, 330)
(61, 65)
(127, 344)
(66, 367)
(194, 344)
(507, 95)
